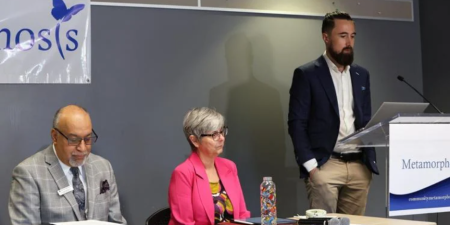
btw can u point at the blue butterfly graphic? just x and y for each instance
(62, 14)
(60, 11)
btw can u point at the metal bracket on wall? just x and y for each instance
(398, 10)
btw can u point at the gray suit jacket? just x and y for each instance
(34, 197)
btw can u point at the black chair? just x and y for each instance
(160, 217)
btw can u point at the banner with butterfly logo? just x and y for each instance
(45, 41)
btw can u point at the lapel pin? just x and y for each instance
(363, 88)
(357, 73)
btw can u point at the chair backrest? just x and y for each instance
(160, 217)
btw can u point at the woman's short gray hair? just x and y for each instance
(200, 121)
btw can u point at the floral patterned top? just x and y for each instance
(223, 209)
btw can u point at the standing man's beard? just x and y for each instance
(342, 58)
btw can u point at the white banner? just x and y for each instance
(45, 41)
(419, 168)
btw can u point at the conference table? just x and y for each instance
(367, 220)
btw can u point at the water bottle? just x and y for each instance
(268, 199)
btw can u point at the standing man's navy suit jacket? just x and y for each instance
(314, 115)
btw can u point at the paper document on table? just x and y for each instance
(86, 222)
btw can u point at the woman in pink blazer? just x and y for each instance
(205, 189)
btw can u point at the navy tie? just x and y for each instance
(78, 190)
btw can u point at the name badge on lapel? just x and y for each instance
(65, 190)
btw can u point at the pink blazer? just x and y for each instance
(190, 197)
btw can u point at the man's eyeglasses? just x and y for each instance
(89, 140)
(216, 135)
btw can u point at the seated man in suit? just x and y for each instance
(65, 182)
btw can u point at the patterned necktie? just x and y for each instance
(78, 190)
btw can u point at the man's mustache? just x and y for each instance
(80, 154)
(347, 48)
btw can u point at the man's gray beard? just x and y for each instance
(74, 163)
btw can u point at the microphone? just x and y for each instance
(345, 221)
(324, 221)
(339, 221)
(334, 221)
(400, 78)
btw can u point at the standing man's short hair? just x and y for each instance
(328, 21)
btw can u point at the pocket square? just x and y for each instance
(104, 186)
(363, 88)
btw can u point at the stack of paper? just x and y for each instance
(86, 222)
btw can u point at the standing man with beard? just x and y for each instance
(65, 181)
(330, 99)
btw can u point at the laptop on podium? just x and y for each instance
(388, 110)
